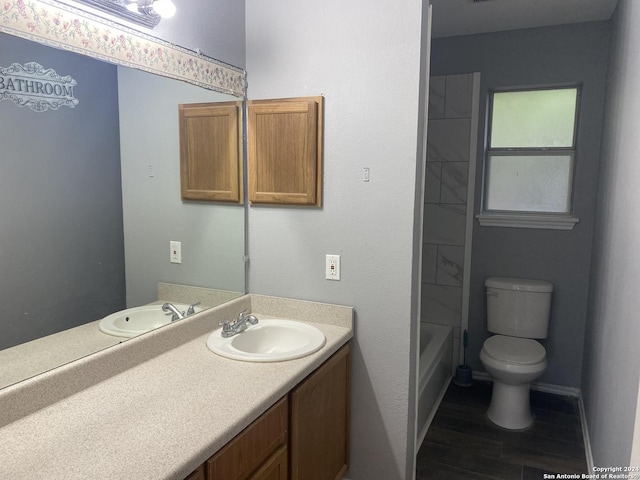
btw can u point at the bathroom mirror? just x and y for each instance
(90, 202)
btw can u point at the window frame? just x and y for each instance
(529, 218)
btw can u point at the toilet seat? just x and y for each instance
(521, 351)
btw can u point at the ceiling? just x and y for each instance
(466, 17)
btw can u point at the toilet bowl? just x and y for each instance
(513, 363)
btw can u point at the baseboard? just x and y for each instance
(539, 386)
(585, 434)
(558, 390)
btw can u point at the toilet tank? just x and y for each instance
(518, 307)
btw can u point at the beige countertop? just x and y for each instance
(163, 416)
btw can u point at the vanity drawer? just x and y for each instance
(252, 447)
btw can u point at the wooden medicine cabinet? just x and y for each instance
(285, 151)
(211, 151)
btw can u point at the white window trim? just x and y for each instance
(548, 221)
(523, 219)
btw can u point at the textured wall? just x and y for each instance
(611, 366)
(365, 58)
(212, 234)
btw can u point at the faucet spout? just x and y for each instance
(170, 308)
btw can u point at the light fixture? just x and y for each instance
(163, 8)
(143, 12)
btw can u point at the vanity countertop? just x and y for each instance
(163, 417)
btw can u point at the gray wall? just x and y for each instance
(212, 234)
(612, 363)
(60, 201)
(365, 57)
(555, 55)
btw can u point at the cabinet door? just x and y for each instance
(251, 448)
(285, 151)
(197, 474)
(319, 442)
(211, 151)
(275, 468)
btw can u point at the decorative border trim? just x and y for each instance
(61, 26)
(548, 222)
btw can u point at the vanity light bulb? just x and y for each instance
(132, 7)
(164, 8)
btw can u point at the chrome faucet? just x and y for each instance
(240, 324)
(177, 314)
(171, 308)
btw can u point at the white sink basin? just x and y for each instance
(271, 340)
(134, 321)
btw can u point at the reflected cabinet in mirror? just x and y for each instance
(89, 203)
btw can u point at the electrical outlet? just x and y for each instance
(175, 252)
(332, 267)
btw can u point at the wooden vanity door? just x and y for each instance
(319, 442)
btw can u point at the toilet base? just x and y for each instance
(510, 406)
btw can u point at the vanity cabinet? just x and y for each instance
(211, 151)
(304, 436)
(285, 151)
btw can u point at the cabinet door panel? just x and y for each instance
(275, 468)
(319, 447)
(211, 151)
(285, 151)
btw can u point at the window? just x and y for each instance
(529, 158)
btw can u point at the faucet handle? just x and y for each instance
(191, 310)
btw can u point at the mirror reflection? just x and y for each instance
(89, 203)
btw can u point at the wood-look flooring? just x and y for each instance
(462, 443)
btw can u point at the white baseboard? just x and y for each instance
(585, 434)
(539, 386)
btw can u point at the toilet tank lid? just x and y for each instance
(522, 284)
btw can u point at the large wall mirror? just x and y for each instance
(89, 202)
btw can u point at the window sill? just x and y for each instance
(525, 220)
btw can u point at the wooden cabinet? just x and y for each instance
(285, 151)
(304, 436)
(319, 422)
(198, 474)
(211, 151)
(254, 448)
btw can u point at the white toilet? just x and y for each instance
(517, 311)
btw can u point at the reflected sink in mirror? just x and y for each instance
(271, 340)
(135, 321)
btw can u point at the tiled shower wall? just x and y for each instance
(445, 212)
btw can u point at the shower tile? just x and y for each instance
(450, 265)
(455, 177)
(432, 182)
(444, 224)
(441, 304)
(448, 140)
(429, 263)
(437, 90)
(458, 96)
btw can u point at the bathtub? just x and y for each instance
(434, 372)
